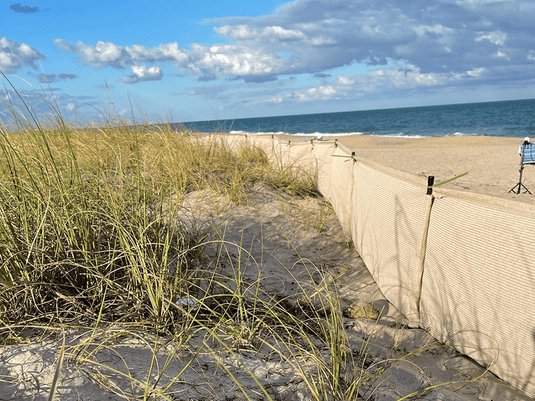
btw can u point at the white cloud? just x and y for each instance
(476, 72)
(14, 56)
(322, 92)
(432, 35)
(497, 37)
(437, 29)
(501, 54)
(240, 32)
(71, 106)
(107, 54)
(341, 80)
(141, 74)
(244, 33)
(228, 60)
(281, 33)
(204, 62)
(99, 56)
(405, 78)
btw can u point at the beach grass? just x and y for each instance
(91, 235)
(91, 238)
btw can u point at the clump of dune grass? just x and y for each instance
(91, 236)
(89, 222)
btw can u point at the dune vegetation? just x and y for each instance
(91, 237)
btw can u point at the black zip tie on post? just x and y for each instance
(431, 180)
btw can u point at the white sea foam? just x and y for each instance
(338, 134)
(328, 133)
(463, 134)
(257, 133)
(400, 135)
(324, 134)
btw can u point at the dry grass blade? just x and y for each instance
(59, 366)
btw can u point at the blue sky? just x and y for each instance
(209, 59)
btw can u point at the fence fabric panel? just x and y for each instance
(389, 219)
(299, 156)
(340, 190)
(322, 154)
(479, 283)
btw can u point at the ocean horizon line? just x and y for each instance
(513, 118)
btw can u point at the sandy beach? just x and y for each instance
(492, 162)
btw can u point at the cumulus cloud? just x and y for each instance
(207, 63)
(141, 74)
(107, 54)
(14, 56)
(436, 36)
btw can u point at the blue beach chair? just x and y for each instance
(527, 156)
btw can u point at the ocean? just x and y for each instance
(512, 118)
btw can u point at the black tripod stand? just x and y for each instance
(527, 156)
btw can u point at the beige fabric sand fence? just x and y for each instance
(457, 264)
